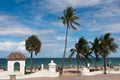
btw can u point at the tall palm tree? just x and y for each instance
(82, 52)
(69, 20)
(107, 45)
(32, 44)
(96, 49)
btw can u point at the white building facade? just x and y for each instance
(16, 59)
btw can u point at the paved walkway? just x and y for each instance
(43, 73)
(96, 77)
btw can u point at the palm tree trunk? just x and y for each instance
(104, 65)
(77, 67)
(77, 64)
(95, 63)
(96, 59)
(31, 61)
(61, 71)
(86, 64)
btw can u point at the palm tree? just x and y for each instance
(79, 57)
(82, 52)
(69, 20)
(84, 48)
(107, 45)
(33, 44)
(96, 49)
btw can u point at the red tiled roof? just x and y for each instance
(16, 56)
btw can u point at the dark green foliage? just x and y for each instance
(69, 18)
(33, 44)
(96, 49)
(107, 45)
(100, 47)
(82, 50)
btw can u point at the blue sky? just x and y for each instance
(21, 18)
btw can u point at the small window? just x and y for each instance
(17, 66)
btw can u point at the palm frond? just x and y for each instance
(73, 18)
(113, 47)
(64, 22)
(69, 18)
(73, 26)
(72, 53)
(76, 23)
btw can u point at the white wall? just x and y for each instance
(11, 67)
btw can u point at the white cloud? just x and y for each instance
(11, 27)
(8, 20)
(102, 9)
(58, 24)
(108, 8)
(104, 28)
(22, 31)
(60, 37)
(59, 5)
(112, 28)
(12, 46)
(15, 31)
(107, 11)
(68, 49)
(84, 3)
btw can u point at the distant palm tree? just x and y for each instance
(84, 48)
(69, 19)
(82, 52)
(78, 56)
(107, 45)
(32, 44)
(96, 49)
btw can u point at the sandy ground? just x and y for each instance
(78, 77)
(70, 74)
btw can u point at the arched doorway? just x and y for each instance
(17, 66)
